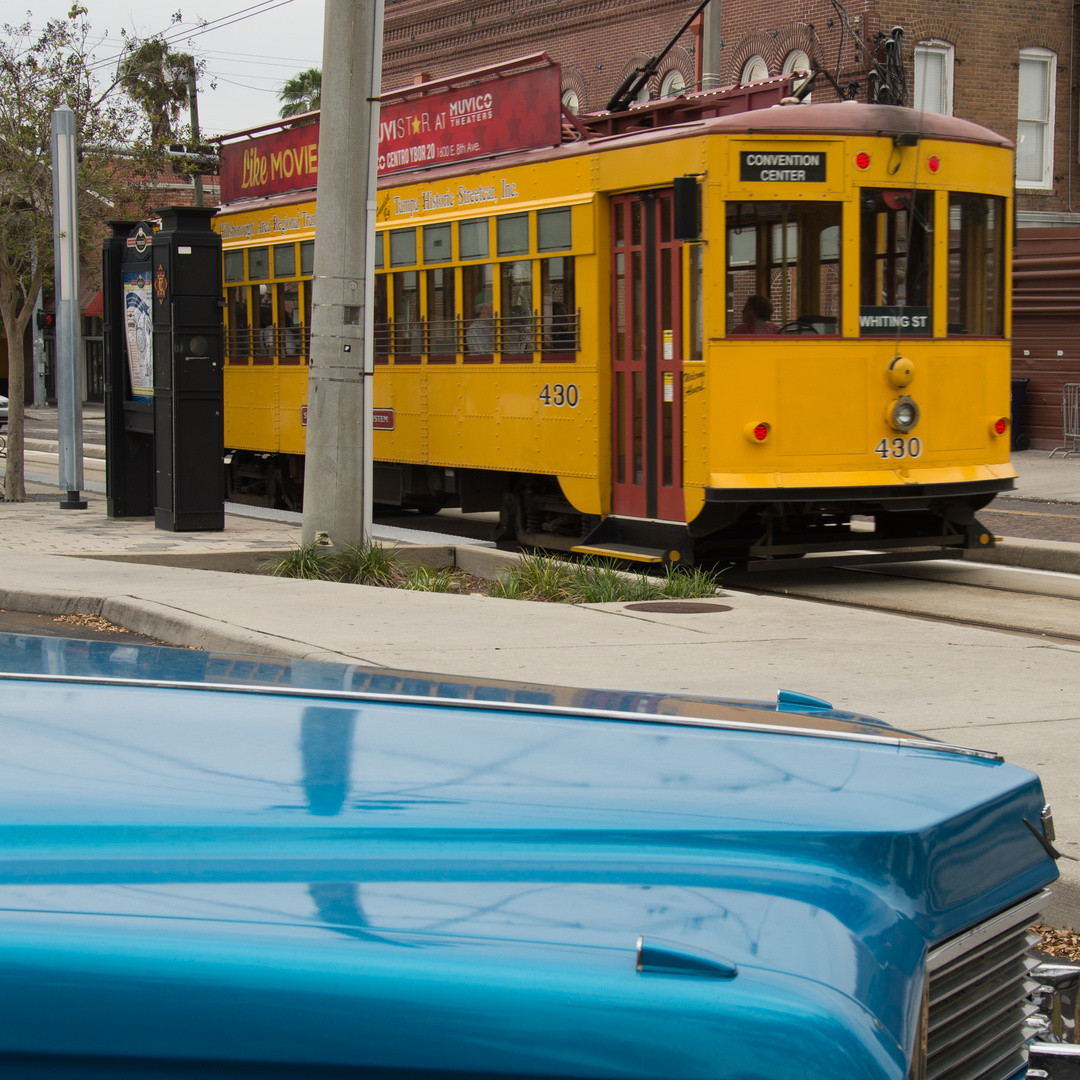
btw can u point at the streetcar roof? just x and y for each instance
(855, 118)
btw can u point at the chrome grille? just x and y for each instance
(978, 1020)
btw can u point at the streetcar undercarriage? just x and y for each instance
(534, 513)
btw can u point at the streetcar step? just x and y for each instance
(622, 551)
(639, 540)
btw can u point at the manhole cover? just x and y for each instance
(677, 607)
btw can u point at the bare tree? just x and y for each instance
(38, 73)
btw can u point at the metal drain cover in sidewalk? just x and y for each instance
(677, 607)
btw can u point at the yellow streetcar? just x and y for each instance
(697, 330)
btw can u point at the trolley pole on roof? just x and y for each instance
(337, 472)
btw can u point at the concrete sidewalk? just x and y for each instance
(1018, 695)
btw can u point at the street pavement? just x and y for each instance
(1016, 694)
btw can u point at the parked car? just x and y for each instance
(214, 865)
(3, 411)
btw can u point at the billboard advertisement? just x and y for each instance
(518, 111)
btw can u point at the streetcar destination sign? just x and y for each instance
(787, 167)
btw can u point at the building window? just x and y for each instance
(673, 84)
(934, 77)
(755, 69)
(571, 101)
(797, 61)
(1035, 119)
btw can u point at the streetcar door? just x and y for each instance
(646, 336)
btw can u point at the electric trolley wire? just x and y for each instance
(171, 37)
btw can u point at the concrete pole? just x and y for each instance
(337, 473)
(68, 335)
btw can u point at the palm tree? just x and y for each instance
(301, 93)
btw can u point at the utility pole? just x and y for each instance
(193, 102)
(68, 337)
(337, 472)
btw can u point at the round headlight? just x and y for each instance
(904, 413)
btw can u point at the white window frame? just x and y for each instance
(748, 68)
(797, 60)
(933, 47)
(1048, 59)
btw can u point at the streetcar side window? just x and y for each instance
(516, 331)
(408, 329)
(441, 309)
(976, 265)
(512, 234)
(379, 263)
(478, 302)
(783, 268)
(290, 337)
(238, 339)
(259, 264)
(553, 230)
(234, 266)
(403, 247)
(558, 312)
(473, 240)
(284, 260)
(437, 243)
(307, 256)
(381, 319)
(896, 262)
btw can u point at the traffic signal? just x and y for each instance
(46, 320)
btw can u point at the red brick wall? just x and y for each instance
(598, 41)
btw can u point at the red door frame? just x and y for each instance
(646, 384)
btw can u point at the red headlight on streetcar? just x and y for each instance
(759, 432)
(1000, 425)
(862, 160)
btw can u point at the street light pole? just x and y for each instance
(68, 336)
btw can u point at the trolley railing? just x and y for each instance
(1070, 415)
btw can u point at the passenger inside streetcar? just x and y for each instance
(757, 317)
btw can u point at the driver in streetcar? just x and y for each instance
(757, 317)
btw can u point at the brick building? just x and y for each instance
(1000, 63)
(1007, 65)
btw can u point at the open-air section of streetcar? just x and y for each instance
(762, 334)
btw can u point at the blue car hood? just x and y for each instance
(325, 871)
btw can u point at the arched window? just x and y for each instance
(1035, 119)
(797, 60)
(934, 77)
(673, 84)
(755, 69)
(571, 100)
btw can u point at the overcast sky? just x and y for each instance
(250, 47)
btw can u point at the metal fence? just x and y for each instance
(1070, 416)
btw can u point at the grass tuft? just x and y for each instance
(367, 564)
(430, 579)
(690, 582)
(307, 561)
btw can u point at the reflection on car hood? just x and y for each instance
(337, 866)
